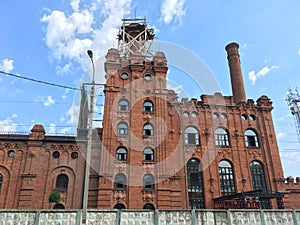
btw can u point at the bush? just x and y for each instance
(54, 197)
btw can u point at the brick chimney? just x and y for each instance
(237, 84)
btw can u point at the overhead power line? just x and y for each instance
(40, 81)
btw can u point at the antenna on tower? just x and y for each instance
(293, 100)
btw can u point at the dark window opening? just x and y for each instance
(56, 154)
(148, 182)
(195, 184)
(227, 184)
(74, 155)
(148, 106)
(251, 138)
(59, 206)
(149, 206)
(121, 154)
(119, 206)
(148, 154)
(62, 182)
(148, 130)
(1, 180)
(120, 181)
(258, 176)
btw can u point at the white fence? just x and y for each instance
(157, 217)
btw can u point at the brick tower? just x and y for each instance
(158, 152)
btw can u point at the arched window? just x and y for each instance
(119, 206)
(221, 137)
(251, 138)
(1, 180)
(191, 136)
(121, 154)
(123, 105)
(148, 154)
(62, 182)
(195, 184)
(120, 181)
(122, 128)
(148, 106)
(258, 176)
(149, 206)
(148, 182)
(148, 130)
(227, 185)
(59, 206)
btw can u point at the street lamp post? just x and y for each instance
(89, 144)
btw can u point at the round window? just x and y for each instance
(124, 75)
(223, 115)
(55, 154)
(147, 76)
(215, 115)
(244, 117)
(74, 155)
(11, 153)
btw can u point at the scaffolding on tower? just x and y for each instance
(135, 38)
(293, 100)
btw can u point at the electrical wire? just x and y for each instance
(40, 81)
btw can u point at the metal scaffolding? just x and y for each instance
(135, 38)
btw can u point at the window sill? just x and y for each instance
(148, 161)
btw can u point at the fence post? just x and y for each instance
(37, 218)
(262, 217)
(156, 217)
(194, 217)
(118, 217)
(78, 217)
(295, 218)
(229, 217)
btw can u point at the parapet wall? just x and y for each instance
(158, 217)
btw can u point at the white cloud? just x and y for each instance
(7, 125)
(49, 101)
(73, 114)
(75, 5)
(62, 33)
(52, 128)
(172, 10)
(69, 36)
(65, 69)
(7, 65)
(253, 76)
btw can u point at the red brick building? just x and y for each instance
(154, 150)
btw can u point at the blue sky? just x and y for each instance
(47, 40)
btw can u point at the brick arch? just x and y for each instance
(68, 195)
(5, 184)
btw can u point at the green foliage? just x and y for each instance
(54, 197)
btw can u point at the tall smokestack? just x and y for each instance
(237, 84)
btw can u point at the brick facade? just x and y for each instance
(154, 150)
